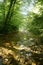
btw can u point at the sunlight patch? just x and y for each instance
(36, 10)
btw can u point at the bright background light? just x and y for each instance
(27, 7)
(1, 0)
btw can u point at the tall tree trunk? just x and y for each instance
(8, 16)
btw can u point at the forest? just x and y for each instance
(21, 32)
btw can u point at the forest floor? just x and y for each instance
(14, 54)
(24, 56)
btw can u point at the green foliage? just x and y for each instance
(35, 21)
(9, 16)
